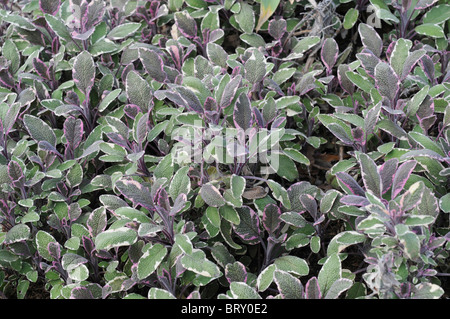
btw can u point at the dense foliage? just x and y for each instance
(224, 149)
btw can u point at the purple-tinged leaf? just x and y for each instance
(368, 61)
(81, 293)
(371, 119)
(46, 146)
(340, 133)
(93, 14)
(370, 175)
(370, 39)
(97, 221)
(312, 289)
(54, 250)
(74, 211)
(73, 131)
(310, 204)
(386, 81)
(344, 81)
(141, 129)
(349, 184)
(49, 6)
(329, 53)
(10, 118)
(229, 91)
(15, 173)
(248, 229)
(131, 110)
(402, 176)
(271, 218)
(258, 117)
(354, 200)
(242, 114)
(236, 272)
(277, 28)
(428, 67)
(135, 192)
(190, 99)
(84, 72)
(387, 173)
(186, 24)
(42, 69)
(153, 64)
(423, 4)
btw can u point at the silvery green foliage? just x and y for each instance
(183, 149)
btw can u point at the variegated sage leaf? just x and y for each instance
(370, 38)
(370, 175)
(211, 195)
(289, 286)
(386, 81)
(153, 64)
(242, 114)
(248, 228)
(49, 6)
(329, 53)
(255, 67)
(401, 177)
(186, 24)
(118, 237)
(138, 91)
(84, 72)
(39, 130)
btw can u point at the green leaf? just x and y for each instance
(39, 130)
(267, 8)
(240, 290)
(118, 237)
(43, 239)
(150, 260)
(158, 293)
(431, 30)
(211, 195)
(338, 287)
(246, 18)
(132, 214)
(17, 233)
(289, 286)
(444, 203)
(265, 277)
(107, 100)
(181, 183)
(123, 30)
(198, 263)
(293, 265)
(350, 18)
(437, 14)
(164, 168)
(296, 156)
(285, 167)
(411, 244)
(74, 176)
(84, 72)
(329, 273)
